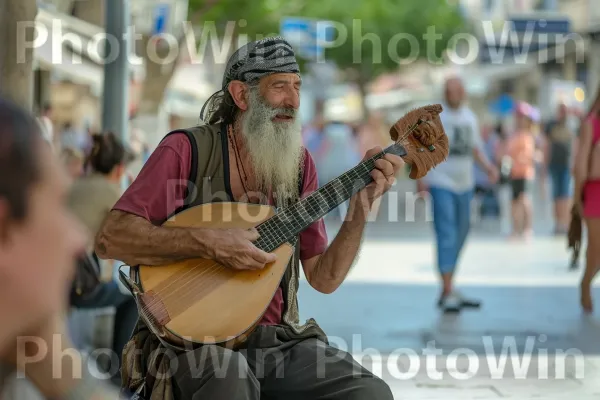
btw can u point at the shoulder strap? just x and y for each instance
(205, 142)
(194, 146)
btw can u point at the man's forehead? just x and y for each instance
(282, 77)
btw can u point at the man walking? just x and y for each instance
(451, 186)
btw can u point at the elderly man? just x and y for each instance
(253, 136)
(451, 186)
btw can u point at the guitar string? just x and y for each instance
(297, 217)
(325, 195)
(332, 193)
(275, 240)
(146, 308)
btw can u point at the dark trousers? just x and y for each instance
(274, 367)
(126, 316)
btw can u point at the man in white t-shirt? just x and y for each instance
(451, 185)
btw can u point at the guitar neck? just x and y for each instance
(285, 225)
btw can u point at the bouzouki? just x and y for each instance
(180, 302)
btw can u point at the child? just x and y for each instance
(522, 152)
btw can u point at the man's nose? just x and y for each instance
(292, 99)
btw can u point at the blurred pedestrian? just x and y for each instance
(561, 135)
(338, 154)
(73, 137)
(39, 240)
(522, 151)
(486, 193)
(91, 198)
(46, 123)
(587, 196)
(451, 185)
(74, 162)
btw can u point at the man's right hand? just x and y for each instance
(234, 248)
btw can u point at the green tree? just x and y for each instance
(372, 37)
(382, 35)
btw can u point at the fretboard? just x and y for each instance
(286, 224)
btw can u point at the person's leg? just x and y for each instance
(463, 217)
(592, 264)
(517, 208)
(311, 369)
(562, 201)
(556, 192)
(445, 225)
(527, 207)
(126, 317)
(213, 372)
(463, 209)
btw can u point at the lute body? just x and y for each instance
(199, 301)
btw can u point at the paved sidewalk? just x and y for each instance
(385, 315)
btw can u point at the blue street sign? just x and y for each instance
(309, 37)
(161, 18)
(541, 26)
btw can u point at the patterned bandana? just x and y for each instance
(253, 61)
(260, 58)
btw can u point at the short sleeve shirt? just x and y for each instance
(456, 173)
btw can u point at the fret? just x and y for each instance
(289, 222)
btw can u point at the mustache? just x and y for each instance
(286, 111)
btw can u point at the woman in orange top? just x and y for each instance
(521, 149)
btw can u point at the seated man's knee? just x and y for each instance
(215, 361)
(214, 372)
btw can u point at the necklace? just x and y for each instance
(238, 162)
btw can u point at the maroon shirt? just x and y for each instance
(154, 195)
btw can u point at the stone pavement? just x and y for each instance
(385, 315)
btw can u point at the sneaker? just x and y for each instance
(466, 302)
(455, 302)
(450, 303)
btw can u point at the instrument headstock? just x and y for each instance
(421, 133)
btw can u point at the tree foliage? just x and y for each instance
(380, 35)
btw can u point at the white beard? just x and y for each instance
(275, 148)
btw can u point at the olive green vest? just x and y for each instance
(209, 183)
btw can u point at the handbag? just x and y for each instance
(87, 279)
(506, 165)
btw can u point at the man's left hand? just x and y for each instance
(383, 175)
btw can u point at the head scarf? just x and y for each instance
(257, 59)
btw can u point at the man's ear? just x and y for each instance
(239, 93)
